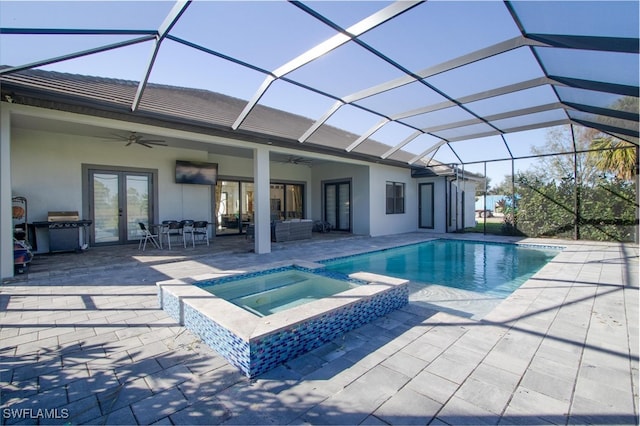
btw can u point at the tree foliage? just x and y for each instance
(615, 157)
(606, 211)
(561, 166)
(551, 201)
(503, 188)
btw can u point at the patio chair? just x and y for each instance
(201, 231)
(186, 228)
(170, 229)
(146, 236)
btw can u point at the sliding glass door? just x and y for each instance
(286, 201)
(234, 206)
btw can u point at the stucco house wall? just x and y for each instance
(467, 200)
(47, 168)
(388, 224)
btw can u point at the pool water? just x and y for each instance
(274, 292)
(489, 268)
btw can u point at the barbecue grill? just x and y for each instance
(64, 230)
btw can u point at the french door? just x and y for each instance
(118, 201)
(337, 205)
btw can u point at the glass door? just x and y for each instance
(294, 202)
(425, 205)
(119, 201)
(246, 216)
(287, 201)
(227, 207)
(337, 205)
(234, 206)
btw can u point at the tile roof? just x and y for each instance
(194, 108)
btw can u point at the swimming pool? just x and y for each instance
(492, 269)
(267, 294)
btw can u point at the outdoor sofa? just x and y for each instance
(293, 229)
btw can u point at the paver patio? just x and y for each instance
(84, 340)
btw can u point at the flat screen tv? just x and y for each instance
(196, 172)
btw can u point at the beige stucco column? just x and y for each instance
(6, 222)
(262, 209)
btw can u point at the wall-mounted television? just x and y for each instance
(196, 172)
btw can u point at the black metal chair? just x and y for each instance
(186, 227)
(170, 228)
(146, 236)
(200, 231)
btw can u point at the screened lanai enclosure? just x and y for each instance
(540, 97)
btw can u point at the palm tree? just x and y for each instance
(616, 157)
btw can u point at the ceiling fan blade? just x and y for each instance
(114, 137)
(298, 160)
(135, 138)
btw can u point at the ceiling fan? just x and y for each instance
(297, 160)
(135, 138)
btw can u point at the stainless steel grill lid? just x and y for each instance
(63, 216)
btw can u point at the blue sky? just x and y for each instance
(268, 34)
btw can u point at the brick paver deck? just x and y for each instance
(83, 340)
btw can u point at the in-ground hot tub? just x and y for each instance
(277, 290)
(256, 341)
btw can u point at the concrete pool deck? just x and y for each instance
(84, 340)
